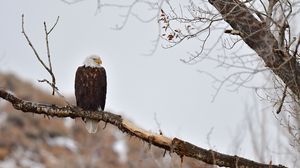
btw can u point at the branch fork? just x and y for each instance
(49, 67)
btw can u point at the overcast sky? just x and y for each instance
(139, 87)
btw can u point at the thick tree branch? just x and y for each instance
(180, 147)
(257, 35)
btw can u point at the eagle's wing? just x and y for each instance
(90, 88)
(101, 86)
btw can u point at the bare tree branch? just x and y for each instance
(178, 146)
(129, 8)
(49, 69)
(257, 36)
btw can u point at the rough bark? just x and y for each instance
(257, 35)
(180, 147)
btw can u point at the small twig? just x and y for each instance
(48, 54)
(56, 90)
(282, 99)
(105, 124)
(158, 124)
(269, 12)
(296, 48)
(31, 45)
(51, 84)
(181, 161)
(281, 32)
(208, 135)
(71, 2)
(57, 19)
(165, 153)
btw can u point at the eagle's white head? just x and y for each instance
(92, 61)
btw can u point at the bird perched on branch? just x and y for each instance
(90, 89)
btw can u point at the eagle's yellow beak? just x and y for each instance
(98, 61)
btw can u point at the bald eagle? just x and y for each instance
(90, 89)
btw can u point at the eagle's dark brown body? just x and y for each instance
(90, 88)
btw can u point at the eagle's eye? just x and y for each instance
(97, 61)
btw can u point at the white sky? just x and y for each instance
(139, 87)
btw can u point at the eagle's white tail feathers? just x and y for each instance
(91, 126)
